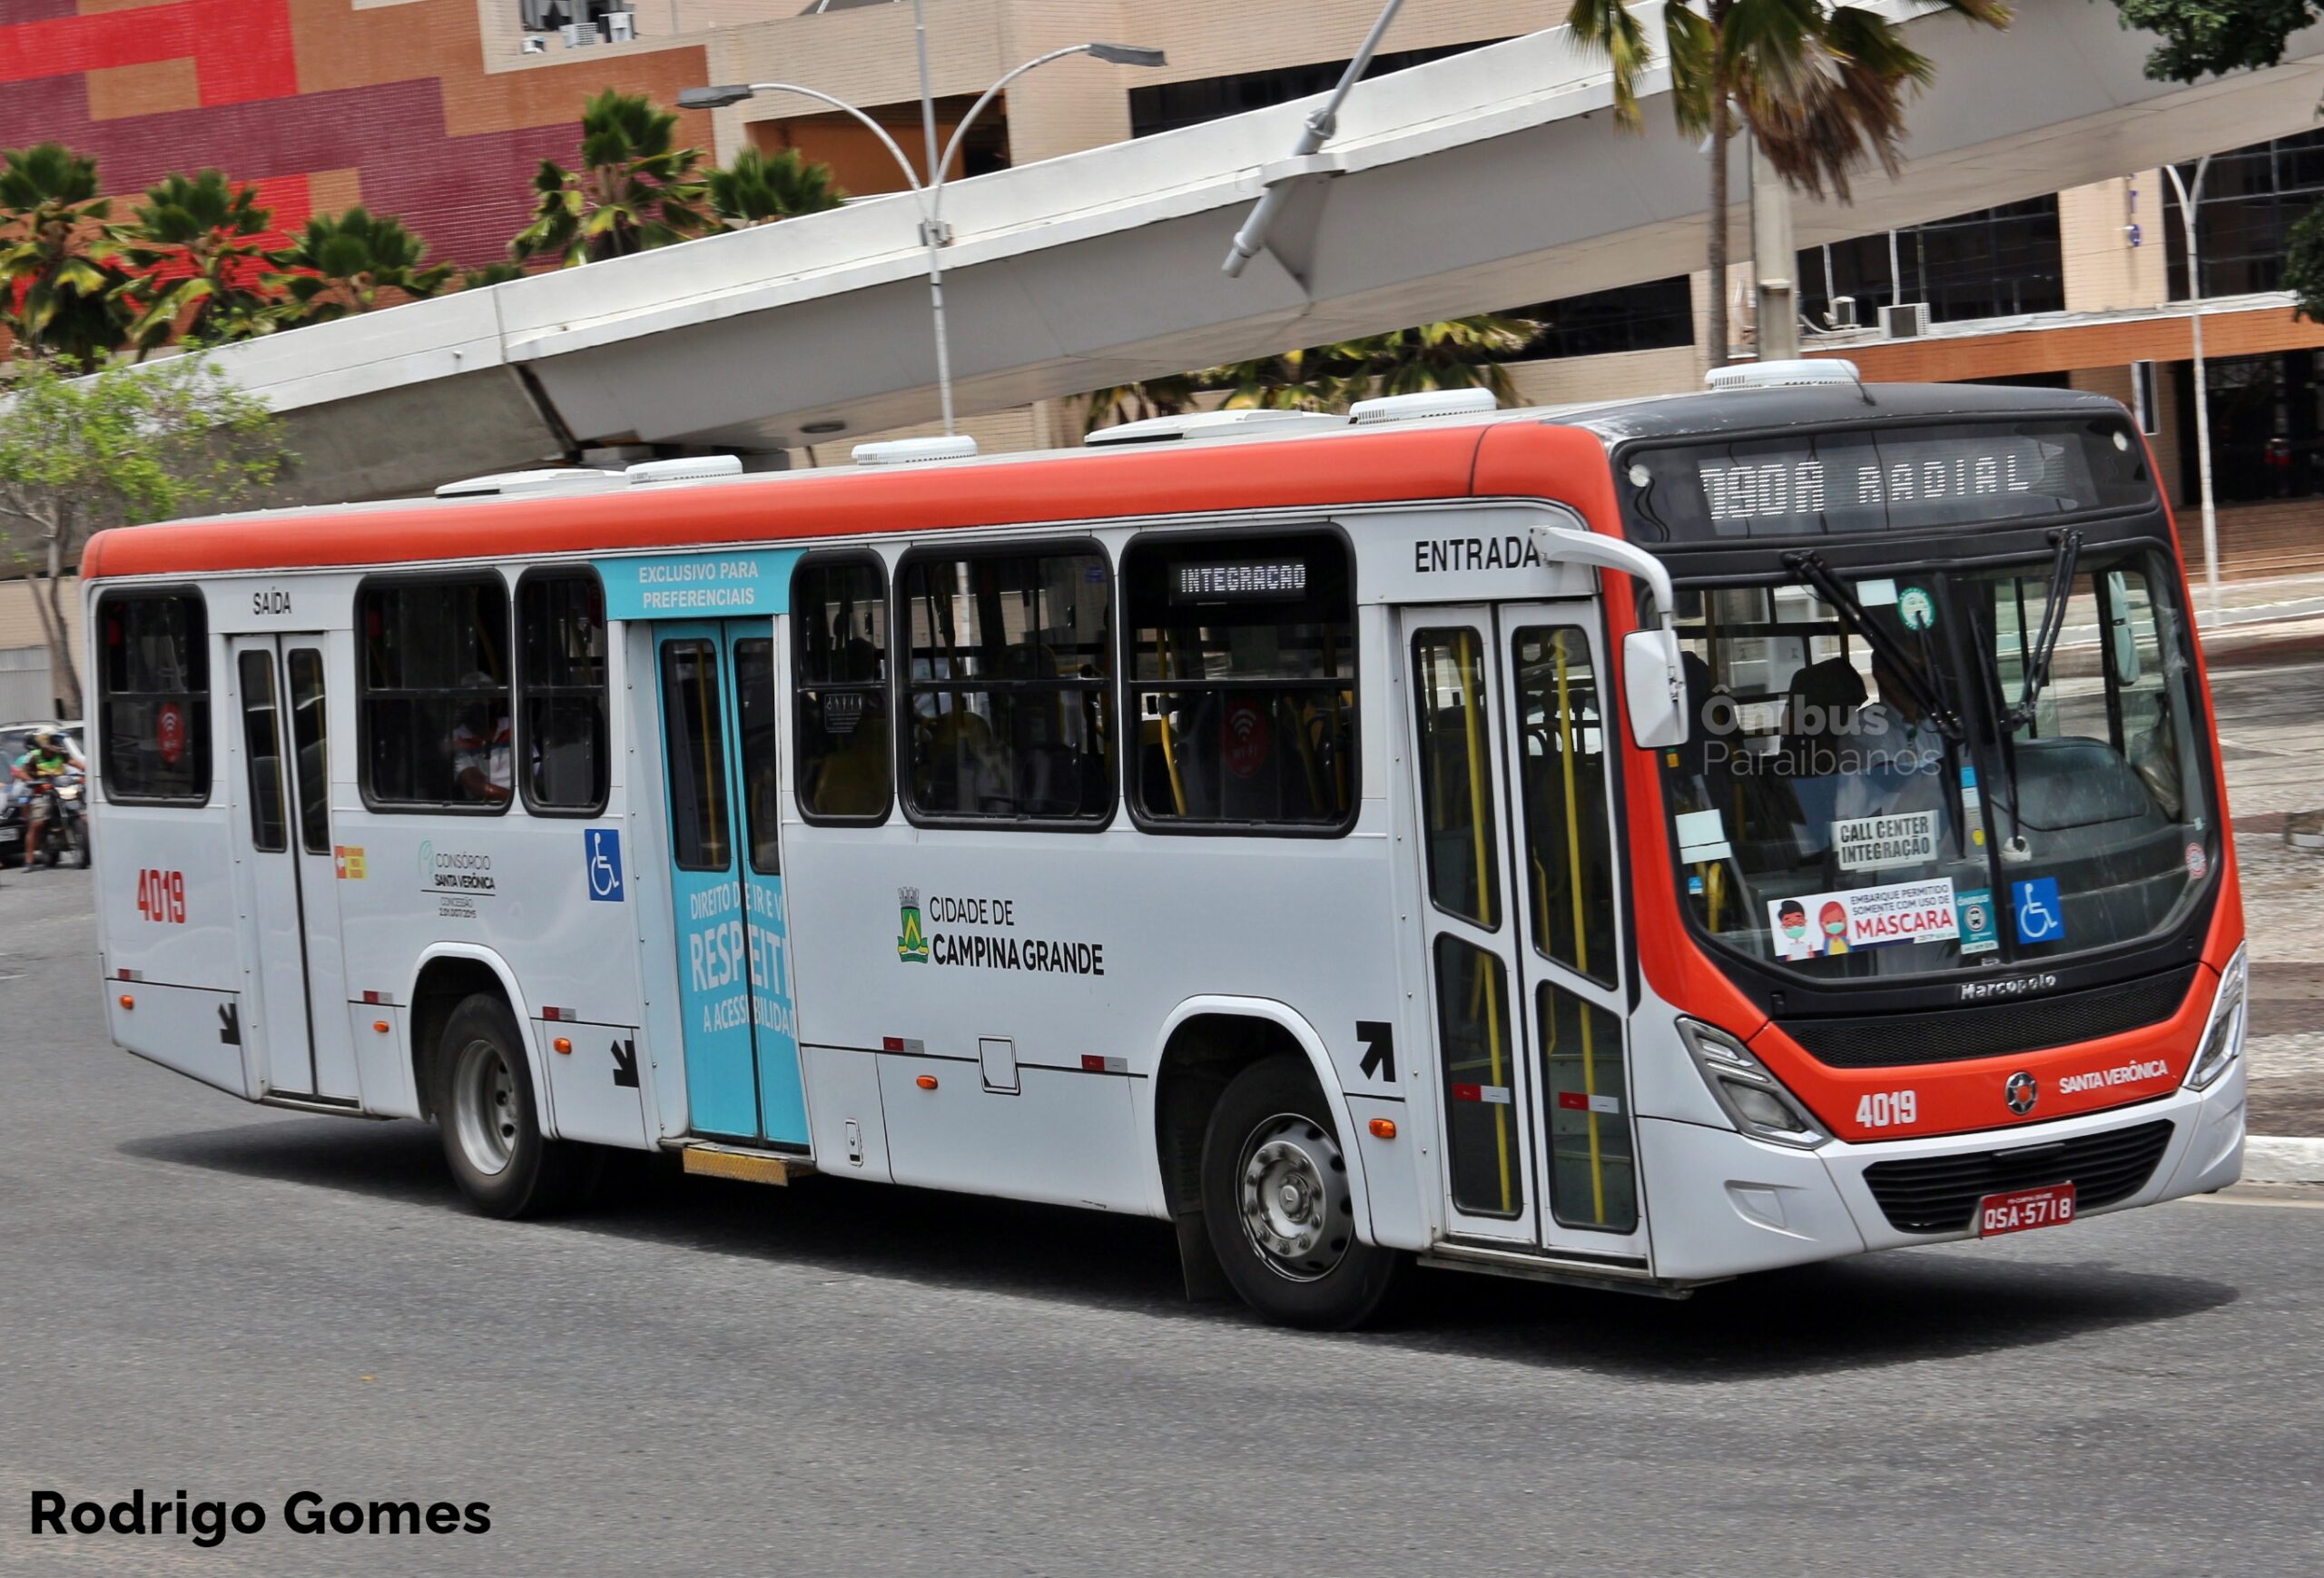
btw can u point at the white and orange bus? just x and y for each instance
(1634, 846)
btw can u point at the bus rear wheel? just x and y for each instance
(1276, 1200)
(490, 1123)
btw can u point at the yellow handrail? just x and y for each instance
(1580, 940)
(1479, 808)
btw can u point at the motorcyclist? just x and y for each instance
(49, 761)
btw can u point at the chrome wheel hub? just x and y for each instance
(1294, 1202)
(484, 1106)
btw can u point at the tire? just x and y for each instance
(489, 1120)
(1276, 1199)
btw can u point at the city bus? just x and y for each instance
(1629, 845)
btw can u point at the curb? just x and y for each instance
(2271, 1160)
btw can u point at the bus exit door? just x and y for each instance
(296, 991)
(1520, 927)
(717, 690)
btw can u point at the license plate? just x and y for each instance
(2021, 1210)
(9, 835)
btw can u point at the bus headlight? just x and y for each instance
(2223, 1036)
(1754, 1100)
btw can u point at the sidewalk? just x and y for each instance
(2265, 651)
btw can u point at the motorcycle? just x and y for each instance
(57, 806)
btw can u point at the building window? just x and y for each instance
(436, 732)
(2252, 199)
(2266, 427)
(1168, 106)
(563, 739)
(1654, 316)
(1998, 262)
(1009, 686)
(838, 622)
(153, 698)
(1241, 682)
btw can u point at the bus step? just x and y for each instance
(738, 1161)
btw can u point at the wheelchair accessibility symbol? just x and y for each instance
(2040, 917)
(604, 844)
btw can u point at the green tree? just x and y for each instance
(341, 262)
(758, 190)
(1822, 88)
(199, 252)
(55, 257)
(2206, 37)
(635, 188)
(498, 274)
(120, 447)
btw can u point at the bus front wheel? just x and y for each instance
(490, 1123)
(1276, 1200)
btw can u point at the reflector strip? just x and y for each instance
(129, 974)
(1093, 1064)
(1492, 1095)
(1583, 1101)
(564, 1013)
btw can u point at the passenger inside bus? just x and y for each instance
(480, 743)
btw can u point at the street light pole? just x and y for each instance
(928, 194)
(2187, 203)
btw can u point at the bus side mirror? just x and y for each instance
(1654, 689)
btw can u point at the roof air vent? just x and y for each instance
(1209, 424)
(1783, 374)
(915, 451)
(1412, 408)
(548, 480)
(686, 467)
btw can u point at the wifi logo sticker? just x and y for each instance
(1244, 737)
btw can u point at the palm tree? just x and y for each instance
(55, 259)
(635, 189)
(1458, 353)
(340, 263)
(1136, 403)
(199, 252)
(1821, 86)
(757, 188)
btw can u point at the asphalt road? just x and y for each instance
(719, 1378)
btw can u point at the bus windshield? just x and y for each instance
(1868, 790)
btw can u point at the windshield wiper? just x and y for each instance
(2068, 544)
(1935, 703)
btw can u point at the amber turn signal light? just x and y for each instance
(379, 1025)
(563, 1044)
(127, 1001)
(1383, 1129)
(925, 1081)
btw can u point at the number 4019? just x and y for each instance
(1889, 1108)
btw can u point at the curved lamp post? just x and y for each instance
(928, 194)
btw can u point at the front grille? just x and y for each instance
(1992, 1029)
(1939, 1194)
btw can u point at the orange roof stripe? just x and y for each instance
(1354, 467)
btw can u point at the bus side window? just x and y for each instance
(1008, 687)
(562, 738)
(436, 730)
(1241, 682)
(153, 698)
(839, 619)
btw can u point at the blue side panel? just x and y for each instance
(783, 1100)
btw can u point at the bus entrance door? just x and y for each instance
(1521, 930)
(717, 687)
(296, 972)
